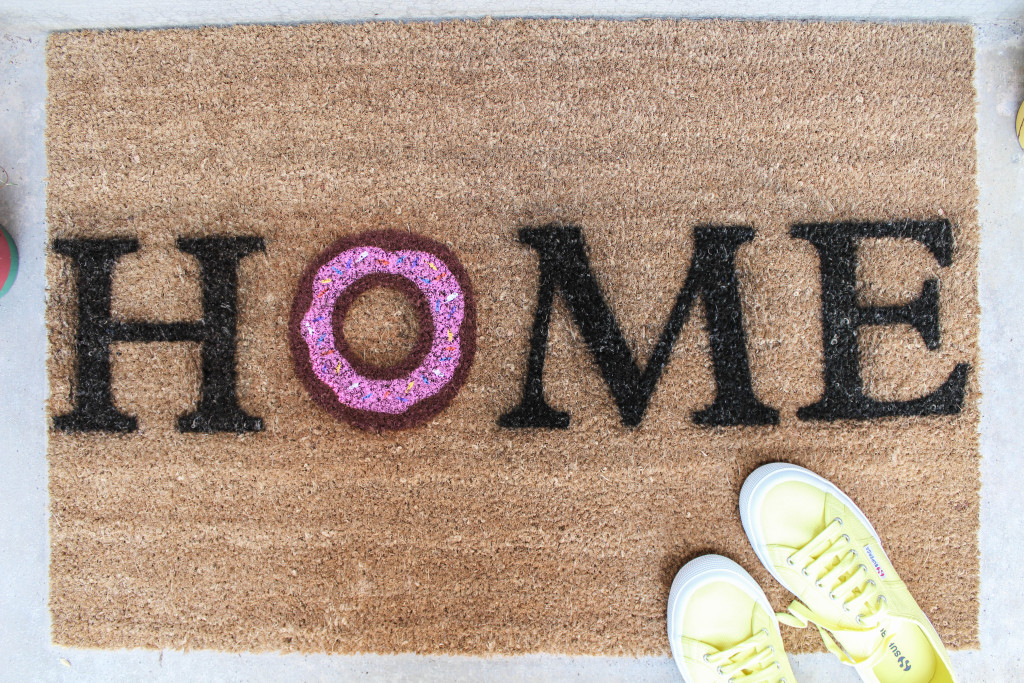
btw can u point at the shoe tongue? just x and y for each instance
(876, 655)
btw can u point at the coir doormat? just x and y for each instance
(462, 337)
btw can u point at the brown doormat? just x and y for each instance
(462, 337)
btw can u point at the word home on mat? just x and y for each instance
(433, 279)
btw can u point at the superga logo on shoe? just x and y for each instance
(874, 562)
(901, 661)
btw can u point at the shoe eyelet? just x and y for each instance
(838, 519)
(720, 670)
(831, 595)
(778, 666)
(771, 649)
(805, 572)
(707, 660)
(819, 584)
(864, 567)
(845, 608)
(860, 620)
(871, 582)
(790, 562)
(764, 631)
(846, 537)
(881, 598)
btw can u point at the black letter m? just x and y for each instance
(218, 409)
(564, 265)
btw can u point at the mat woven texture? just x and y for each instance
(460, 535)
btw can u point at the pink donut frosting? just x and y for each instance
(447, 304)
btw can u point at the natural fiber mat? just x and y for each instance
(462, 337)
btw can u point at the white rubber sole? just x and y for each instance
(764, 479)
(696, 574)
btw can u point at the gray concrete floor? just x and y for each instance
(26, 653)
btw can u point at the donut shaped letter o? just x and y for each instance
(425, 382)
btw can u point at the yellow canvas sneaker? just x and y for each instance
(721, 627)
(821, 547)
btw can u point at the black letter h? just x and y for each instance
(218, 409)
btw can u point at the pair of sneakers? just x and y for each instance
(818, 544)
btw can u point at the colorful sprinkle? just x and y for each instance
(384, 396)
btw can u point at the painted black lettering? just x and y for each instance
(564, 266)
(218, 409)
(842, 316)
